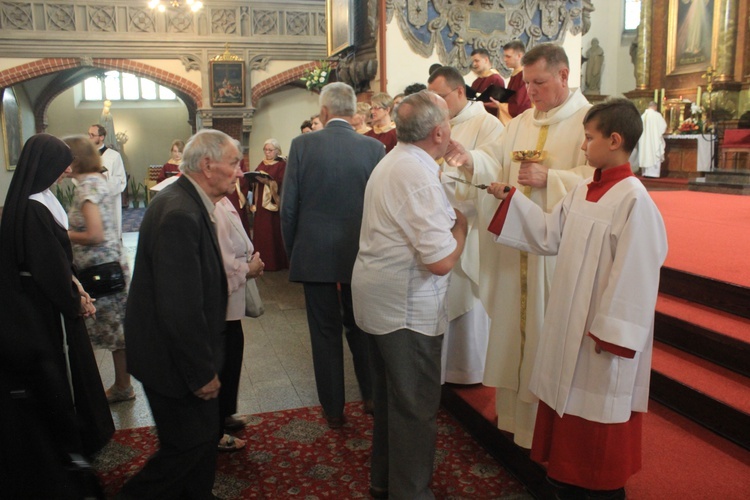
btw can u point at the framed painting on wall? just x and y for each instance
(12, 133)
(692, 36)
(338, 26)
(227, 79)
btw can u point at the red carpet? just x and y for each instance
(681, 459)
(293, 454)
(709, 234)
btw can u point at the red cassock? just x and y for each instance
(267, 225)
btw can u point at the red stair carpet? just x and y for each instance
(681, 459)
(708, 233)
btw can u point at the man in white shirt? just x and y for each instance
(465, 341)
(410, 240)
(117, 179)
(650, 151)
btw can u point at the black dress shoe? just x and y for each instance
(235, 423)
(378, 492)
(369, 406)
(618, 494)
(335, 422)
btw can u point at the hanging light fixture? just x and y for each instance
(191, 4)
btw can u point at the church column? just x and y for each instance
(726, 91)
(727, 41)
(643, 56)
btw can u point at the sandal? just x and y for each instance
(115, 395)
(230, 443)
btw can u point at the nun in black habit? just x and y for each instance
(52, 403)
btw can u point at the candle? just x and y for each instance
(698, 97)
(656, 95)
(662, 99)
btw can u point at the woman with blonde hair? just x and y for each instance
(360, 118)
(95, 241)
(267, 226)
(172, 167)
(383, 128)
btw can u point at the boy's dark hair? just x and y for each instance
(617, 115)
(516, 45)
(305, 124)
(414, 88)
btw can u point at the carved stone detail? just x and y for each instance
(297, 23)
(102, 18)
(61, 17)
(259, 63)
(191, 63)
(223, 21)
(180, 22)
(142, 20)
(17, 16)
(265, 22)
(87, 61)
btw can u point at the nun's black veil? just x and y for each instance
(43, 160)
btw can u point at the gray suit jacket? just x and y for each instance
(321, 202)
(177, 302)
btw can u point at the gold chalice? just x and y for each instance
(528, 155)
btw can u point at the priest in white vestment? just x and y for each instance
(650, 151)
(513, 285)
(465, 341)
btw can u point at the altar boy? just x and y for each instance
(591, 371)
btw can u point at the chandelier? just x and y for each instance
(191, 4)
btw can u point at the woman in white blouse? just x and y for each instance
(241, 263)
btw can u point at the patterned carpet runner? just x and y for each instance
(293, 454)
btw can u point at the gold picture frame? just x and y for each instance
(338, 26)
(692, 35)
(10, 114)
(227, 80)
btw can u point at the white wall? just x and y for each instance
(150, 129)
(279, 115)
(606, 24)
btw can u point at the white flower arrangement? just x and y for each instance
(696, 110)
(317, 77)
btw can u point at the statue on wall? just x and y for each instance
(594, 63)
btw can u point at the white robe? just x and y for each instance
(510, 354)
(117, 181)
(465, 341)
(650, 150)
(606, 283)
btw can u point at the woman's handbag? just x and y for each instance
(102, 279)
(253, 304)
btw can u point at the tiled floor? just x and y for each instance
(277, 373)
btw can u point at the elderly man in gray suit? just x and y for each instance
(321, 213)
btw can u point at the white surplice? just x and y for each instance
(650, 151)
(465, 342)
(606, 283)
(510, 351)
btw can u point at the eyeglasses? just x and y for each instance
(373, 108)
(449, 93)
(94, 135)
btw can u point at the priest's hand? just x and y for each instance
(210, 390)
(457, 156)
(533, 174)
(499, 190)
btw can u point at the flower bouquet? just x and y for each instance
(694, 124)
(317, 77)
